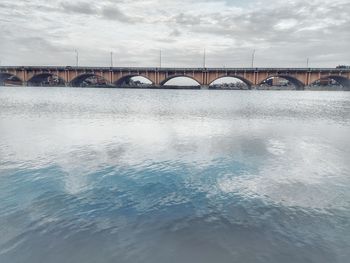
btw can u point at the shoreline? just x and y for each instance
(315, 88)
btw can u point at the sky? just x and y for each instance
(283, 33)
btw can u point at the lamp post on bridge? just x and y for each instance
(111, 59)
(253, 58)
(76, 58)
(160, 58)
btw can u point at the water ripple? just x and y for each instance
(153, 176)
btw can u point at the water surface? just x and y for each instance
(110, 175)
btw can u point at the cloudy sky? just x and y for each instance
(284, 33)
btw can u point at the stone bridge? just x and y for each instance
(75, 76)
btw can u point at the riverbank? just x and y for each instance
(309, 88)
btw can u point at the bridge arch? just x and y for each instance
(8, 77)
(233, 77)
(46, 79)
(125, 80)
(297, 83)
(343, 81)
(89, 80)
(172, 77)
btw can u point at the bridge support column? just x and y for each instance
(204, 87)
(255, 77)
(157, 78)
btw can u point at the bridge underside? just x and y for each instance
(7, 78)
(290, 81)
(46, 79)
(88, 79)
(134, 80)
(341, 80)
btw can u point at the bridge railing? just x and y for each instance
(89, 68)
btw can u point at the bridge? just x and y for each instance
(252, 77)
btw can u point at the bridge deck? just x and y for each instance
(171, 68)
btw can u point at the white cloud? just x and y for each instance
(286, 24)
(284, 33)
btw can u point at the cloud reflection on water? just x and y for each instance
(148, 177)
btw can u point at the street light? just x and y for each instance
(253, 58)
(204, 58)
(111, 59)
(160, 58)
(76, 57)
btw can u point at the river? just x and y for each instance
(114, 175)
